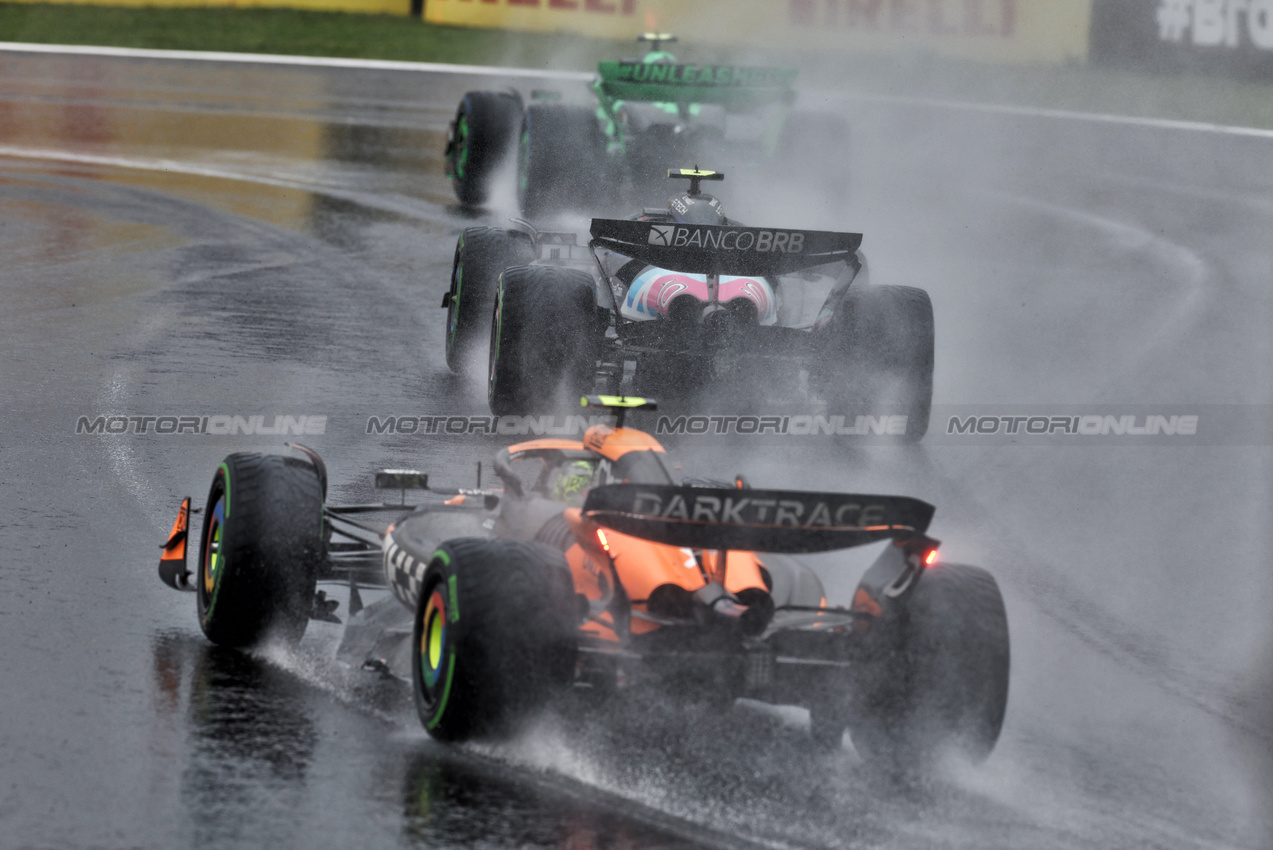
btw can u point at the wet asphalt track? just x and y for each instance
(196, 239)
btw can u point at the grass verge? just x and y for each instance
(292, 32)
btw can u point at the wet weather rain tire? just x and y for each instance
(494, 638)
(481, 254)
(560, 160)
(877, 355)
(938, 680)
(261, 549)
(483, 134)
(545, 340)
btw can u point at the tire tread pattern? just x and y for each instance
(493, 119)
(481, 254)
(941, 673)
(514, 641)
(272, 548)
(882, 337)
(545, 338)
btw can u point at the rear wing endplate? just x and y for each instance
(785, 521)
(719, 249)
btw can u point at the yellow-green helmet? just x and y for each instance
(572, 482)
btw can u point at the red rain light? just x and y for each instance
(930, 557)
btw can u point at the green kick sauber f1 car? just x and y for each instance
(575, 151)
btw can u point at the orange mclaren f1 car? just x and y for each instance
(591, 567)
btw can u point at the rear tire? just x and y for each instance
(545, 339)
(560, 160)
(481, 253)
(261, 550)
(877, 355)
(937, 677)
(494, 636)
(483, 134)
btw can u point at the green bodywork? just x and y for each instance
(729, 85)
(682, 90)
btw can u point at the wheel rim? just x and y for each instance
(433, 643)
(461, 146)
(453, 328)
(212, 560)
(212, 553)
(495, 342)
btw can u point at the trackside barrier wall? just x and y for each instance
(375, 7)
(1003, 31)
(1233, 37)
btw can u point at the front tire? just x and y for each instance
(545, 339)
(494, 636)
(261, 549)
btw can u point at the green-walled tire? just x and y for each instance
(261, 550)
(494, 638)
(482, 137)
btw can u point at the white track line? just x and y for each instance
(304, 61)
(491, 71)
(1090, 117)
(406, 207)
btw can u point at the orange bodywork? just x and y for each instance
(175, 548)
(612, 443)
(548, 443)
(641, 566)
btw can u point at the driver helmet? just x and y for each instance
(696, 209)
(572, 482)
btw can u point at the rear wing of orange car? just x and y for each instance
(785, 521)
(723, 249)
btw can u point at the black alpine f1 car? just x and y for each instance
(580, 149)
(589, 567)
(698, 306)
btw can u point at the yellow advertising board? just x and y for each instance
(374, 7)
(1004, 31)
